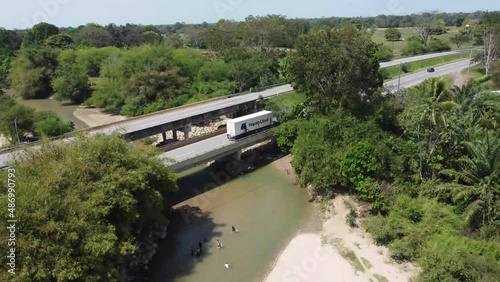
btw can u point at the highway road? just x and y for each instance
(416, 78)
(137, 124)
(191, 150)
(424, 57)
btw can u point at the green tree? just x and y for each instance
(427, 123)
(151, 91)
(414, 46)
(438, 45)
(221, 37)
(16, 115)
(9, 39)
(48, 124)
(495, 74)
(71, 82)
(32, 71)
(285, 135)
(86, 208)
(6, 56)
(61, 40)
(38, 34)
(392, 34)
(384, 53)
(459, 39)
(477, 186)
(347, 74)
(94, 35)
(251, 69)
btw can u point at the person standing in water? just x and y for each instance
(233, 228)
(219, 244)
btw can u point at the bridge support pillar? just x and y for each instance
(237, 155)
(164, 136)
(187, 129)
(174, 134)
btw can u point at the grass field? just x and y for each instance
(393, 72)
(285, 102)
(476, 71)
(379, 37)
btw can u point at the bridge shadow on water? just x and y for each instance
(189, 224)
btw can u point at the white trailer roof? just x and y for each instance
(257, 114)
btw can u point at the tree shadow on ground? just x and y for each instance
(188, 226)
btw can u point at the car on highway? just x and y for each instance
(430, 70)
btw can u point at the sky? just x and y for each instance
(22, 14)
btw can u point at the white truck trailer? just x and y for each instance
(246, 125)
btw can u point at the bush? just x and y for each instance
(385, 73)
(351, 217)
(384, 53)
(438, 45)
(408, 208)
(414, 47)
(50, 125)
(285, 135)
(483, 78)
(405, 68)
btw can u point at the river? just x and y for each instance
(266, 207)
(63, 111)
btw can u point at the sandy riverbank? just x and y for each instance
(3, 141)
(95, 117)
(338, 253)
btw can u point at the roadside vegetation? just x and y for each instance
(398, 44)
(408, 68)
(426, 159)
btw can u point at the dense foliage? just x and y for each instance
(21, 123)
(86, 208)
(427, 160)
(347, 74)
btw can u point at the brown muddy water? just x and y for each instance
(63, 111)
(266, 207)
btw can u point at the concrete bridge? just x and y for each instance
(215, 148)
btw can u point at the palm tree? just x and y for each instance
(435, 106)
(436, 103)
(477, 183)
(484, 110)
(464, 95)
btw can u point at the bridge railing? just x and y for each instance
(217, 148)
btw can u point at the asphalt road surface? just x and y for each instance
(191, 150)
(424, 57)
(416, 78)
(134, 125)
